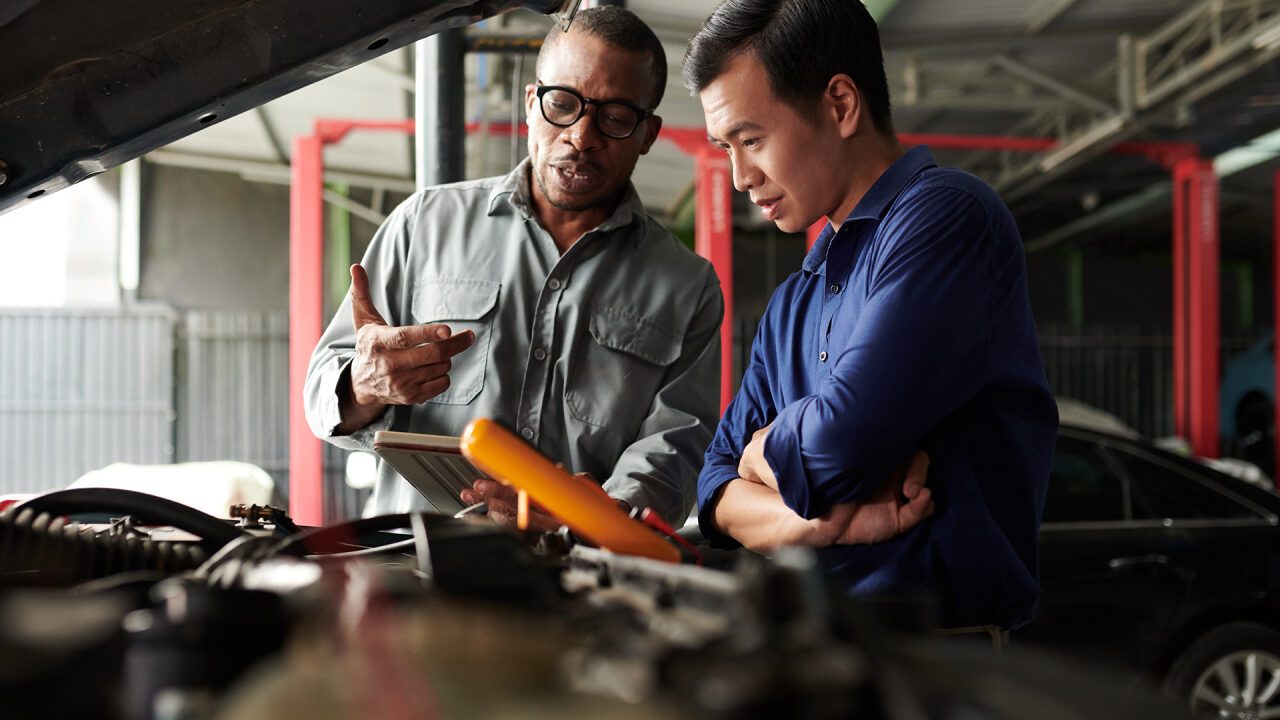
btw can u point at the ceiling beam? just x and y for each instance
(1046, 81)
(268, 127)
(1202, 49)
(274, 173)
(1045, 17)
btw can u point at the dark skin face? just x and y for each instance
(578, 174)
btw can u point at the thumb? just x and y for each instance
(362, 310)
(917, 475)
(915, 512)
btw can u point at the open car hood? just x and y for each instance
(87, 86)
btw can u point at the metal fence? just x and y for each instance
(80, 390)
(1127, 371)
(233, 400)
(83, 389)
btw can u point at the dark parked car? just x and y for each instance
(1156, 563)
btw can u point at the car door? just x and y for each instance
(1109, 585)
(1229, 554)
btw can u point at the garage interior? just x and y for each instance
(180, 235)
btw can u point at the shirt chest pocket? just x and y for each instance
(618, 370)
(462, 305)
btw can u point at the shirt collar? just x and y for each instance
(515, 187)
(875, 203)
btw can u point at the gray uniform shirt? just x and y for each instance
(606, 358)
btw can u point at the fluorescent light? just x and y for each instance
(1268, 39)
(1255, 152)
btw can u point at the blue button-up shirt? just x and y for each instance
(909, 329)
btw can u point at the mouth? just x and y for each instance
(769, 207)
(575, 177)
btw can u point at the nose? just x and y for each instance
(584, 135)
(745, 175)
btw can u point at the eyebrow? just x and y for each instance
(624, 101)
(735, 131)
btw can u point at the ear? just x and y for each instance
(530, 101)
(845, 104)
(652, 126)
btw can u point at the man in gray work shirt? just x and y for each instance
(548, 299)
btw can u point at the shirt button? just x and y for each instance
(527, 433)
(539, 354)
(822, 356)
(835, 289)
(554, 284)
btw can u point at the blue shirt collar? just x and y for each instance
(876, 201)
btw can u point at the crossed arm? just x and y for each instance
(752, 512)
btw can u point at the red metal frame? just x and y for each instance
(306, 258)
(1195, 330)
(1196, 304)
(306, 304)
(713, 230)
(713, 239)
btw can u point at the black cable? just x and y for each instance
(401, 547)
(242, 548)
(337, 538)
(145, 509)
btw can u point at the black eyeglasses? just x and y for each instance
(562, 107)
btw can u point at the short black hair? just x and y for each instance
(801, 44)
(622, 29)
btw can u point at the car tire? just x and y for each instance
(1213, 674)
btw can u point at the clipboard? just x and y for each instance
(432, 464)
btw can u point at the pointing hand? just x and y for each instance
(398, 365)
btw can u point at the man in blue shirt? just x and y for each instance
(908, 328)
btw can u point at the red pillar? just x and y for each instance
(1196, 304)
(713, 239)
(306, 253)
(1275, 353)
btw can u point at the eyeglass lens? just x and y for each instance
(614, 119)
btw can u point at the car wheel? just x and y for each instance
(1231, 672)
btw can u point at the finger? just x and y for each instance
(408, 337)
(363, 311)
(915, 512)
(917, 475)
(407, 379)
(502, 516)
(447, 347)
(431, 353)
(494, 491)
(418, 393)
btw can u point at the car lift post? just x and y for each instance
(1195, 304)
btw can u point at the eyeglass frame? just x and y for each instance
(584, 101)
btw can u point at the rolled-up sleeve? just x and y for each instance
(917, 353)
(658, 469)
(751, 409)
